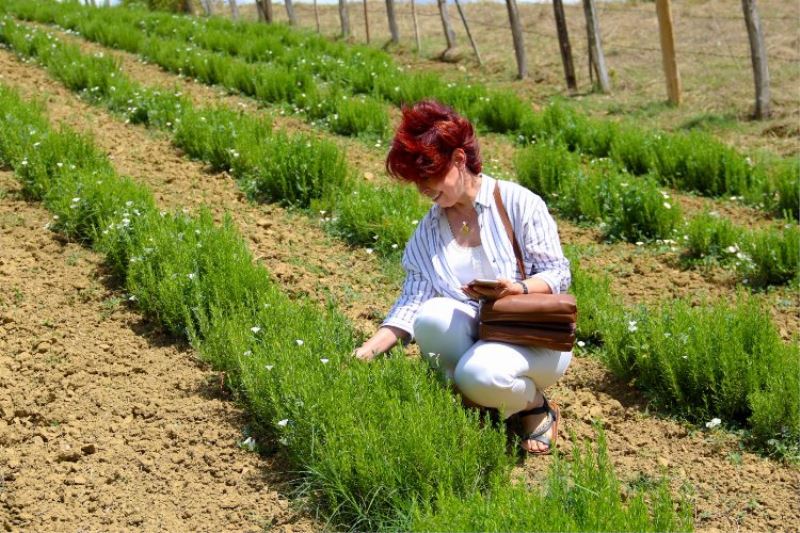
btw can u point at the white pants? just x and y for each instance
(492, 374)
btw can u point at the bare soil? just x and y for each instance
(105, 424)
(732, 488)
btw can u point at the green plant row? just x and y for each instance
(599, 313)
(269, 166)
(635, 210)
(327, 106)
(694, 162)
(377, 446)
(299, 170)
(715, 360)
(761, 256)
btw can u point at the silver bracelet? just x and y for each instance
(524, 287)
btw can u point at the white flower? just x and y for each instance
(581, 344)
(714, 423)
(269, 367)
(394, 246)
(129, 203)
(132, 298)
(324, 361)
(76, 200)
(639, 243)
(299, 342)
(632, 326)
(667, 205)
(369, 250)
(283, 423)
(247, 353)
(414, 222)
(732, 249)
(249, 443)
(191, 275)
(255, 329)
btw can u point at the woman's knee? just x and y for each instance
(441, 316)
(478, 381)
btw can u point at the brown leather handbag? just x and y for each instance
(542, 320)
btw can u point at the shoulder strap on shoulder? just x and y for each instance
(501, 209)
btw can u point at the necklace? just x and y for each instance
(465, 228)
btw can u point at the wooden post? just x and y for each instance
(234, 10)
(366, 20)
(207, 7)
(449, 34)
(290, 12)
(344, 18)
(595, 46)
(393, 31)
(416, 25)
(469, 34)
(259, 10)
(516, 32)
(563, 45)
(268, 15)
(664, 13)
(316, 14)
(758, 56)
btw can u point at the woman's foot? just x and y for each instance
(539, 426)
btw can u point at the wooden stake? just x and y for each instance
(366, 20)
(664, 13)
(516, 33)
(595, 46)
(469, 34)
(344, 17)
(316, 14)
(393, 31)
(268, 11)
(563, 45)
(758, 56)
(449, 34)
(416, 25)
(290, 12)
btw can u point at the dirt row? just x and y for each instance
(731, 488)
(105, 424)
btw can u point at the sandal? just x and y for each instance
(540, 435)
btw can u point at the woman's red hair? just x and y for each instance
(424, 143)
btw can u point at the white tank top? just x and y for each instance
(467, 262)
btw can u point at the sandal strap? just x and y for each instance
(539, 435)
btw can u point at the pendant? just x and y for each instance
(464, 228)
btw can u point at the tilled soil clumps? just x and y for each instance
(105, 424)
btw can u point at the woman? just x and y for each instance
(462, 239)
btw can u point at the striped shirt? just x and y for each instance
(428, 273)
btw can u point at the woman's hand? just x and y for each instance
(365, 353)
(381, 342)
(505, 287)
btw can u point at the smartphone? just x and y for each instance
(484, 283)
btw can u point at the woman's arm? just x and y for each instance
(381, 342)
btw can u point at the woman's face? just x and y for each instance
(444, 191)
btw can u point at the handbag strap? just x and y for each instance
(501, 209)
